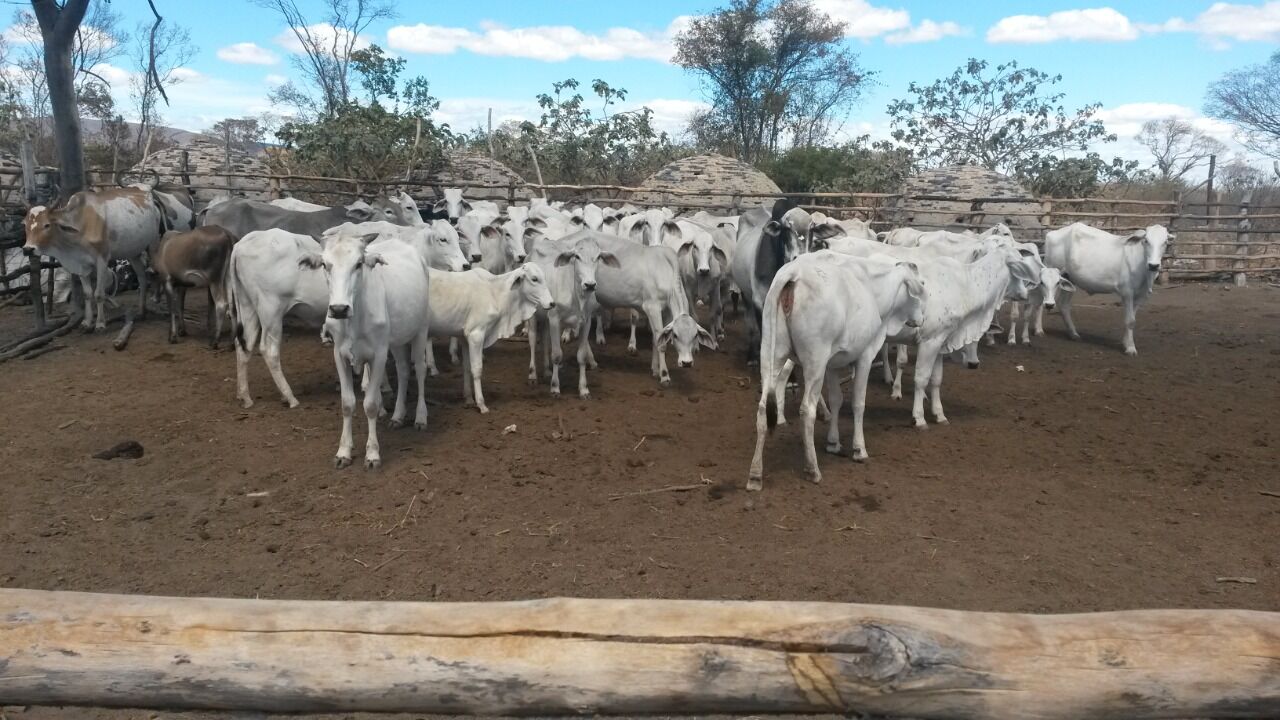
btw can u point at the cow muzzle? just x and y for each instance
(476, 258)
(520, 258)
(339, 312)
(588, 287)
(28, 251)
(972, 365)
(1153, 267)
(685, 363)
(704, 271)
(466, 266)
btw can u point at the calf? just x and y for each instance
(1044, 296)
(94, 228)
(703, 264)
(377, 304)
(830, 311)
(1096, 261)
(481, 308)
(196, 258)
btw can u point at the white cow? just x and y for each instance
(379, 293)
(703, 263)
(570, 265)
(1032, 311)
(471, 228)
(452, 206)
(830, 311)
(268, 281)
(481, 308)
(1096, 261)
(648, 279)
(438, 242)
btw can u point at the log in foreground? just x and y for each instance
(566, 656)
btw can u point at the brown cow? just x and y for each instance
(195, 258)
(92, 229)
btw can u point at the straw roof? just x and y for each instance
(967, 182)
(715, 178)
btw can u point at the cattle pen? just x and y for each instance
(568, 557)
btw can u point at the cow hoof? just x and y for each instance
(942, 420)
(340, 462)
(86, 327)
(755, 483)
(246, 403)
(584, 395)
(665, 382)
(326, 342)
(396, 424)
(1074, 336)
(813, 475)
(1131, 351)
(631, 350)
(484, 410)
(433, 372)
(290, 403)
(859, 455)
(1039, 333)
(213, 345)
(922, 425)
(782, 420)
(532, 382)
(173, 339)
(372, 463)
(182, 332)
(593, 365)
(895, 395)
(834, 448)
(555, 392)
(420, 425)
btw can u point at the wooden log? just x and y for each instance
(565, 656)
(1242, 241)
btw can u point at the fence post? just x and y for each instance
(1242, 241)
(185, 170)
(33, 263)
(1114, 219)
(1046, 213)
(1172, 251)
(273, 188)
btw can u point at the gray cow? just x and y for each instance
(241, 217)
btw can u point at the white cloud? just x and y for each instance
(926, 31)
(1105, 24)
(1127, 119)
(118, 77)
(247, 53)
(185, 74)
(275, 80)
(865, 20)
(550, 43)
(1224, 22)
(323, 34)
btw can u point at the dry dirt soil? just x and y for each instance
(1071, 478)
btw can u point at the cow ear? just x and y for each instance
(310, 261)
(564, 258)
(537, 223)
(360, 213)
(772, 228)
(706, 339)
(490, 231)
(637, 231)
(466, 206)
(826, 231)
(720, 255)
(1136, 236)
(909, 265)
(672, 228)
(610, 259)
(368, 238)
(517, 279)
(685, 248)
(577, 220)
(664, 337)
(373, 259)
(1065, 284)
(883, 236)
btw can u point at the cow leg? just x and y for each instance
(926, 357)
(182, 311)
(468, 397)
(400, 353)
(418, 355)
(532, 325)
(244, 340)
(474, 358)
(717, 311)
(86, 289)
(140, 269)
(373, 408)
(271, 340)
(755, 476)
(935, 391)
(343, 457)
(599, 325)
(1039, 316)
(100, 296)
(901, 362)
(585, 358)
(885, 364)
(1013, 322)
(454, 357)
(171, 299)
(658, 363)
(1064, 307)
(557, 352)
(835, 399)
(218, 301)
(813, 377)
(861, 373)
(1031, 312)
(632, 348)
(430, 356)
(780, 389)
(1130, 319)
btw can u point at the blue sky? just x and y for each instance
(1139, 59)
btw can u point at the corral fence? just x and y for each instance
(1211, 239)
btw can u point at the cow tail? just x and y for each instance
(776, 320)
(233, 291)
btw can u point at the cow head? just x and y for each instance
(530, 285)
(1052, 280)
(584, 256)
(1154, 239)
(691, 240)
(906, 316)
(820, 235)
(1024, 274)
(452, 206)
(444, 250)
(400, 209)
(969, 356)
(361, 211)
(344, 260)
(49, 230)
(688, 336)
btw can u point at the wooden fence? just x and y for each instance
(1235, 239)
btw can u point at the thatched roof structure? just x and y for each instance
(715, 179)
(206, 160)
(465, 169)
(967, 182)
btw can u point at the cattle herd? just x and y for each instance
(823, 296)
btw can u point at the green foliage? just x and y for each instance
(575, 146)
(1077, 176)
(378, 140)
(1008, 120)
(852, 167)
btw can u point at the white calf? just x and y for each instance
(1032, 311)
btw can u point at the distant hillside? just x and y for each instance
(92, 128)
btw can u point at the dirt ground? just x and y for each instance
(1071, 478)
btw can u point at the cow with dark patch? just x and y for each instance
(767, 240)
(241, 217)
(196, 258)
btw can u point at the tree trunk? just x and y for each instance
(565, 656)
(58, 27)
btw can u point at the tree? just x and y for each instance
(59, 27)
(1177, 147)
(172, 50)
(326, 50)
(1076, 177)
(1009, 120)
(1249, 98)
(856, 166)
(771, 69)
(1238, 176)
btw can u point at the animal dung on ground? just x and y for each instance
(131, 449)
